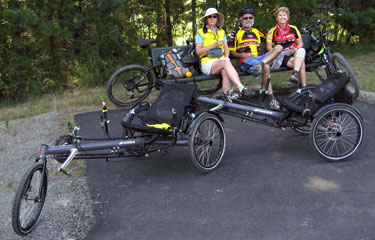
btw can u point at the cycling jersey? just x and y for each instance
(287, 39)
(242, 41)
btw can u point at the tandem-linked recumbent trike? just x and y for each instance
(179, 117)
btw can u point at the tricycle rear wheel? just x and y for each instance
(207, 143)
(337, 132)
(341, 64)
(129, 85)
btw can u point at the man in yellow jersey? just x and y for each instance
(244, 43)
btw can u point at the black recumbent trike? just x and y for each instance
(172, 120)
(179, 117)
(131, 84)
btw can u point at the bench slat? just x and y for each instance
(200, 78)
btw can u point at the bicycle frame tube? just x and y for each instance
(252, 110)
(50, 150)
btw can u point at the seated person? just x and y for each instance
(289, 37)
(214, 62)
(244, 44)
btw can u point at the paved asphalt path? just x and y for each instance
(270, 185)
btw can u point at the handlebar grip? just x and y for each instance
(190, 41)
(104, 110)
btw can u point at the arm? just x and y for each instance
(199, 49)
(299, 43)
(226, 50)
(241, 55)
(269, 46)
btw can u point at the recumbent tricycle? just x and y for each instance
(179, 117)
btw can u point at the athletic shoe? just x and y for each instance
(274, 104)
(294, 78)
(247, 92)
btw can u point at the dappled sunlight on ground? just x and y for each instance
(320, 184)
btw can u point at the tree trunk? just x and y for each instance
(169, 25)
(194, 13)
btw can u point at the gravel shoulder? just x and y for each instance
(67, 213)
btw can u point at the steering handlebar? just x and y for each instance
(314, 23)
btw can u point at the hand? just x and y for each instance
(247, 55)
(289, 52)
(219, 43)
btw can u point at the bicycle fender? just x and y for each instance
(337, 105)
(133, 110)
(199, 116)
(295, 93)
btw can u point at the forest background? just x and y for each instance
(46, 45)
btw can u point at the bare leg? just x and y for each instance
(266, 70)
(302, 74)
(273, 54)
(225, 64)
(302, 69)
(226, 82)
(297, 63)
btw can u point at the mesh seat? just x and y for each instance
(145, 129)
(172, 96)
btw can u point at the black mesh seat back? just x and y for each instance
(175, 95)
(306, 39)
(329, 88)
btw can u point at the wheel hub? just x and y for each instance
(334, 131)
(129, 85)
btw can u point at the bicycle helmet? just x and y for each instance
(246, 11)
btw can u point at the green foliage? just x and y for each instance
(359, 23)
(48, 45)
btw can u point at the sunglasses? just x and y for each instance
(212, 16)
(247, 18)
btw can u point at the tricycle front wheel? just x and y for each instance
(29, 199)
(207, 143)
(63, 140)
(337, 132)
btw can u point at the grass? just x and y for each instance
(53, 102)
(362, 64)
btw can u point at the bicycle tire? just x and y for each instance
(322, 73)
(23, 190)
(203, 143)
(339, 59)
(337, 132)
(298, 99)
(63, 140)
(124, 89)
(136, 118)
